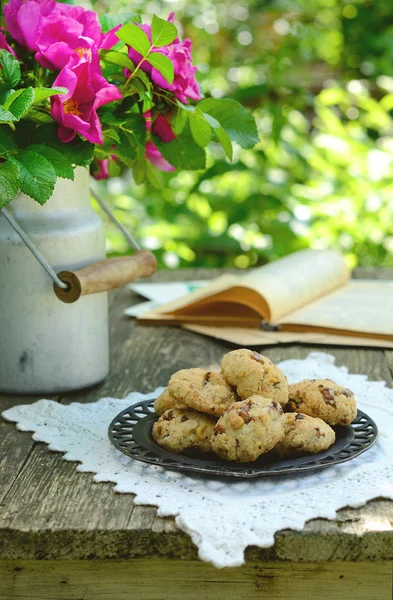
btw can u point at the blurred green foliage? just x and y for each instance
(319, 77)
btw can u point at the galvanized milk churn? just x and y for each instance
(54, 336)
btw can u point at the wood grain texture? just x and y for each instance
(177, 580)
(50, 510)
(105, 275)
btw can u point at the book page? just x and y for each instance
(270, 291)
(297, 280)
(362, 306)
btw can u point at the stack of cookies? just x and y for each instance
(248, 410)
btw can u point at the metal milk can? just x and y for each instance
(53, 340)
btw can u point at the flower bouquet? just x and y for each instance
(112, 93)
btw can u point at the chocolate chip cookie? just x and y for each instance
(305, 434)
(251, 373)
(178, 430)
(248, 429)
(166, 401)
(202, 390)
(334, 404)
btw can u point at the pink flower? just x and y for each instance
(184, 85)
(4, 45)
(24, 19)
(59, 39)
(103, 167)
(163, 130)
(52, 28)
(76, 111)
(154, 156)
(110, 39)
(87, 18)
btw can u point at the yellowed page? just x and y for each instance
(255, 337)
(297, 279)
(362, 306)
(270, 291)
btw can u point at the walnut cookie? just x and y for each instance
(178, 430)
(305, 434)
(251, 373)
(165, 401)
(323, 398)
(248, 429)
(205, 391)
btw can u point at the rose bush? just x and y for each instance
(115, 95)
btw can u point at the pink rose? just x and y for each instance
(109, 39)
(60, 38)
(163, 130)
(4, 45)
(24, 19)
(184, 85)
(103, 167)
(87, 18)
(52, 28)
(76, 111)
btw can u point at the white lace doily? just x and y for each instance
(224, 517)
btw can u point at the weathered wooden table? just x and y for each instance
(62, 536)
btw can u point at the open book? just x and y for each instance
(308, 291)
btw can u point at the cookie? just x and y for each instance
(248, 429)
(323, 398)
(305, 434)
(165, 401)
(178, 430)
(251, 373)
(202, 390)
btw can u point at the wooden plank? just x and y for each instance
(176, 580)
(15, 446)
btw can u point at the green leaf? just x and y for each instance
(179, 121)
(60, 162)
(200, 128)
(139, 171)
(155, 176)
(117, 58)
(6, 116)
(163, 65)
(135, 37)
(136, 126)
(126, 150)
(19, 102)
(225, 141)
(42, 93)
(38, 116)
(37, 176)
(212, 121)
(10, 69)
(7, 141)
(186, 107)
(162, 32)
(144, 78)
(80, 153)
(9, 182)
(113, 168)
(111, 20)
(110, 135)
(183, 152)
(238, 122)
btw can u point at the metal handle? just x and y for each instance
(98, 277)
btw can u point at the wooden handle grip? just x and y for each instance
(105, 275)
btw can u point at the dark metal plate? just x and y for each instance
(130, 432)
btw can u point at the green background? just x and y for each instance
(318, 75)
